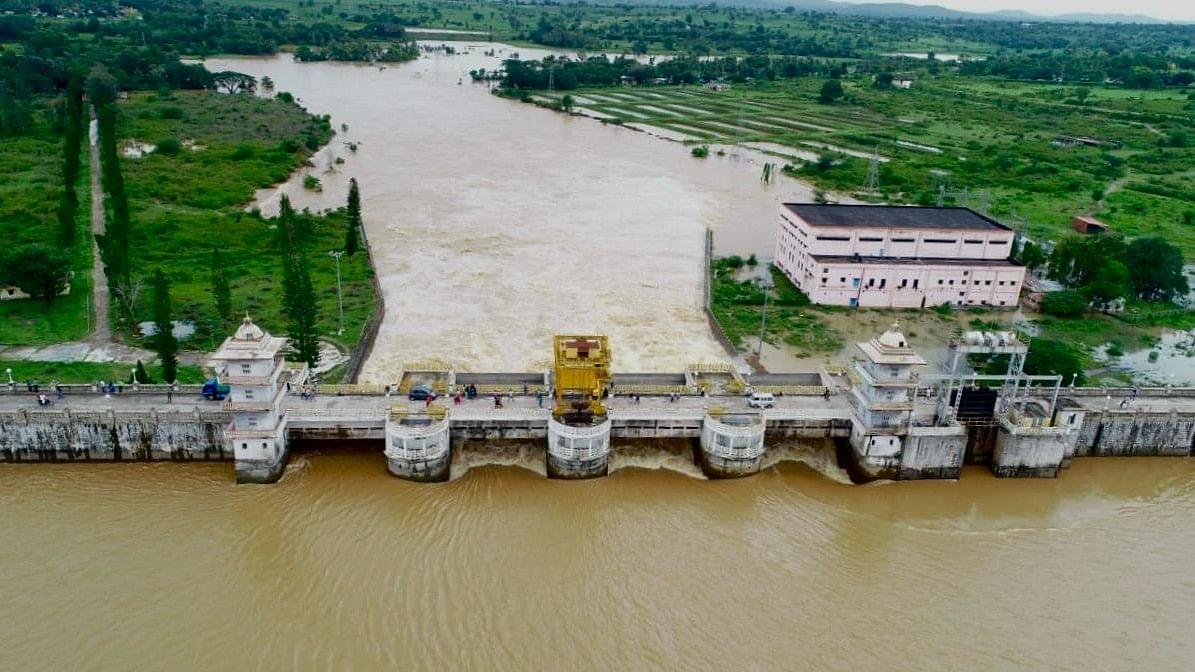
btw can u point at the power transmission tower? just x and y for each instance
(551, 78)
(871, 184)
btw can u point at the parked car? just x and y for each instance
(761, 400)
(421, 393)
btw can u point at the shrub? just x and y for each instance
(734, 261)
(700, 151)
(170, 112)
(1065, 303)
(312, 183)
(167, 147)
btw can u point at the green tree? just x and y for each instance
(1065, 303)
(352, 219)
(1109, 282)
(298, 299)
(140, 375)
(221, 291)
(1155, 269)
(831, 92)
(1031, 255)
(39, 271)
(101, 86)
(114, 242)
(165, 344)
(1076, 260)
(883, 80)
(566, 103)
(1048, 357)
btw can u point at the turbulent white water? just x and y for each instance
(495, 224)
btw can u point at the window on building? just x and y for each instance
(824, 280)
(871, 282)
(871, 240)
(246, 368)
(825, 270)
(854, 282)
(952, 281)
(883, 281)
(244, 446)
(854, 301)
(963, 282)
(973, 241)
(915, 281)
(248, 394)
(947, 241)
(904, 283)
(987, 283)
(840, 238)
(962, 293)
(939, 281)
(904, 240)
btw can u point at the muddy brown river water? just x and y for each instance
(340, 566)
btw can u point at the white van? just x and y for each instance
(761, 400)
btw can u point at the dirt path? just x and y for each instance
(100, 333)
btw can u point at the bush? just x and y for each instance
(167, 147)
(1065, 303)
(170, 112)
(243, 152)
(700, 151)
(733, 261)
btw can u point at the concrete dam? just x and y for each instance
(885, 418)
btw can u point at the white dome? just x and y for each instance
(893, 338)
(249, 331)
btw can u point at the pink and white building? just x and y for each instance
(889, 256)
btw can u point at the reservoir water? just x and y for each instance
(497, 224)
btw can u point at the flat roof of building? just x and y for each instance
(893, 216)
(921, 261)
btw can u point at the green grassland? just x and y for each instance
(972, 141)
(186, 204)
(87, 372)
(30, 188)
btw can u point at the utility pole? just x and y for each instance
(763, 318)
(871, 183)
(339, 296)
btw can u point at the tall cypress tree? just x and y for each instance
(164, 342)
(220, 289)
(114, 243)
(68, 207)
(352, 220)
(298, 298)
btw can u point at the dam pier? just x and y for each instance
(884, 417)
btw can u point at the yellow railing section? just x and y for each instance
(353, 388)
(793, 390)
(496, 388)
(652, 389)
(435, 410)
(837, 369)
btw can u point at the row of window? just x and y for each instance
(944, 241)
(871, 282)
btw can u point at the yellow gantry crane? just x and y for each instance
(582, 377)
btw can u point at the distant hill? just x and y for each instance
(901, 9)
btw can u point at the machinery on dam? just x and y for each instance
(579, 428)
(885, 416)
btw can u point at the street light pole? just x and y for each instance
(339, 296)
(763, 319)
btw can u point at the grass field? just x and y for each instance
(974, 142)
(86, 372)
(30, 188)
(188, 203)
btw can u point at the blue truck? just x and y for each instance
(215, 390)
